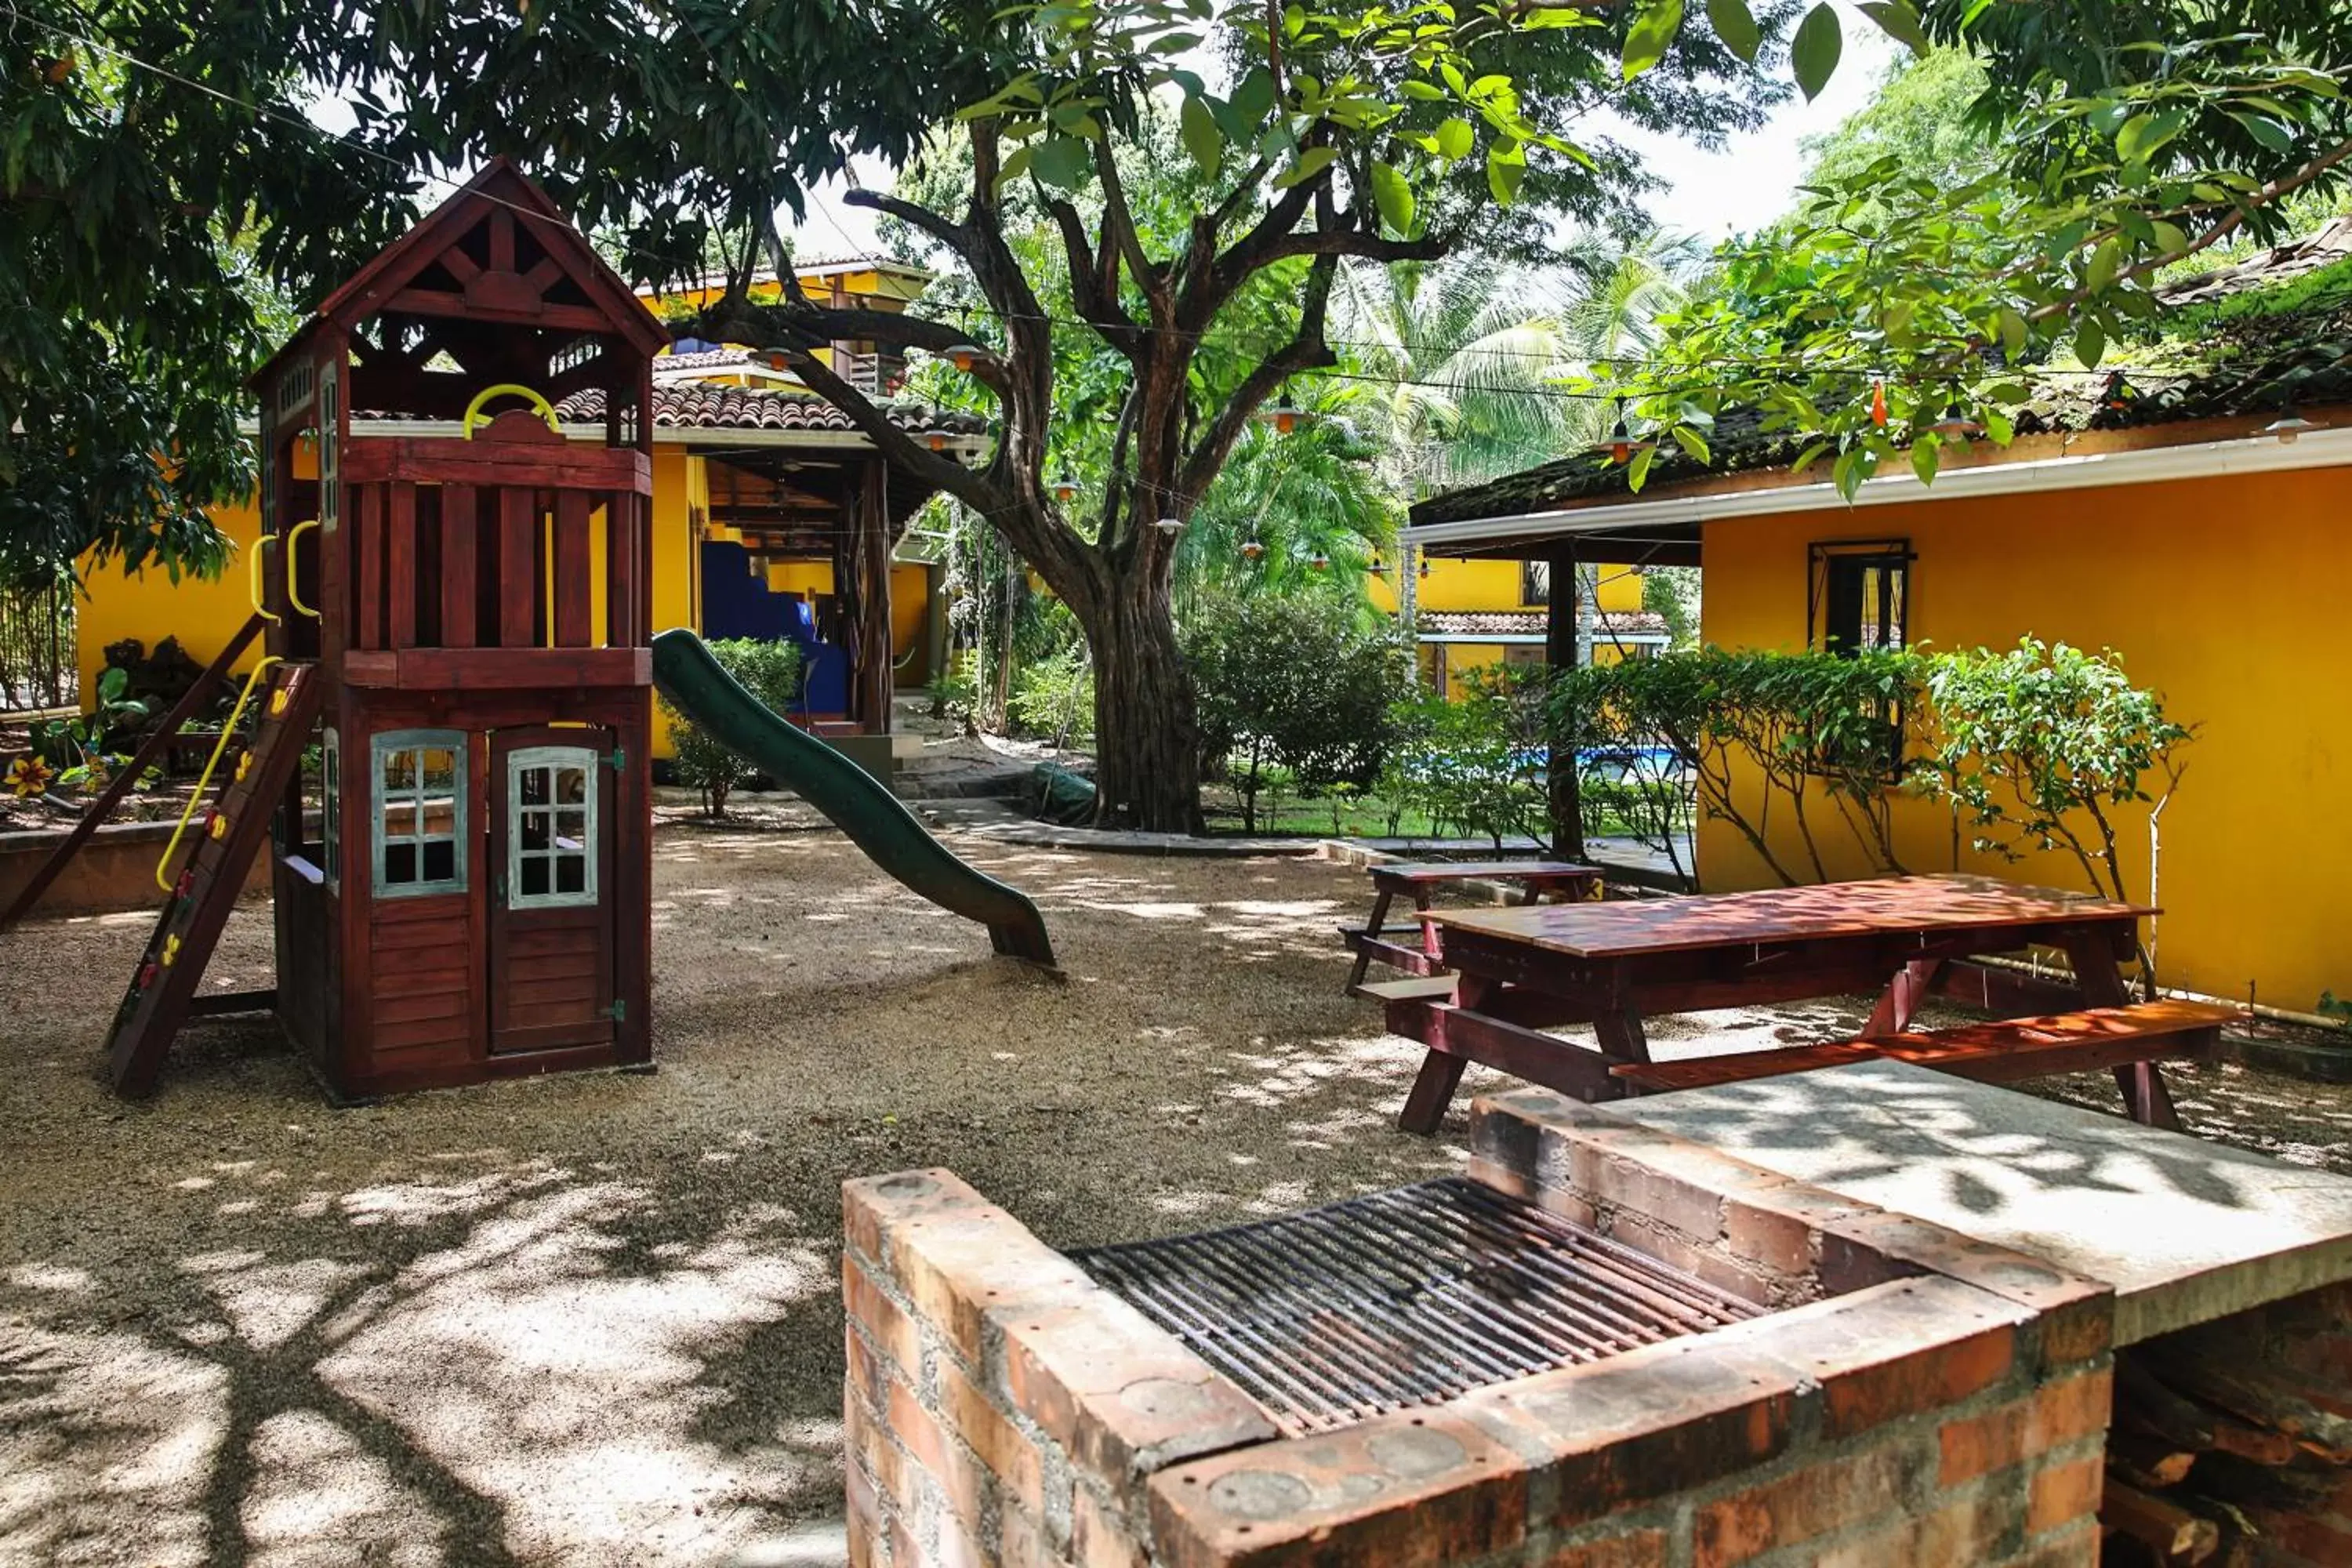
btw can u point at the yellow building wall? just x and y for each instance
(2255, 852)
(149, 606)
(1457, 584)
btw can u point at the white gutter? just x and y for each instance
(2203, 460)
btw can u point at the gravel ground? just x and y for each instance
(593, 1319)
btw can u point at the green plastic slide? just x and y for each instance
(876, 821)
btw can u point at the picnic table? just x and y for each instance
(1417, 879)
(1519, 971)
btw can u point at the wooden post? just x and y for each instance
(1560, 653)
(870, 561)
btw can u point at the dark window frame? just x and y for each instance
(1830, 561)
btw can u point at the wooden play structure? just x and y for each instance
(461, 626)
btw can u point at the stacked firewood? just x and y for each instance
(2225, 1451)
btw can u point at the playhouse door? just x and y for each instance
(551, 925)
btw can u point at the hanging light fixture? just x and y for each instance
(1957, 426)
(1251, 549)
(2289, 425)
(1285, 415)
(1620, 446)
(938, 441)
(2117, 393)
(964, 356)
(1320, 562)
(1424, 567)
(1170, 525)
(1878, 402)
(1377, 567)
(1065, 487)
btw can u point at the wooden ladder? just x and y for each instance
(163, 987)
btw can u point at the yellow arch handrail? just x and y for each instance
(292, 598)
(546, 409)
(253, 579)
(227, 730)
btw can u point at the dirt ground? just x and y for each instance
(594, 1319)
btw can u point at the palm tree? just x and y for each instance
(1465, 357)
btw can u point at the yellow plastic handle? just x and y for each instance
(211, 763)
(506, 388)
(292, 598)
(253, 577)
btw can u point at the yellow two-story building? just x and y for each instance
(1475, 614)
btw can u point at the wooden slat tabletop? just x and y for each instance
(1889, 905)
(1456, 870)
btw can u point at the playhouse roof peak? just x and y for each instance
(498, 252)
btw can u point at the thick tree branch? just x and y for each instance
(955, 236)
(1094, 288)
(933, 469)
(1118, 229)
(1306, 351)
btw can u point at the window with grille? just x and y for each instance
(1860, 597)
(552, 826)
(419, 799)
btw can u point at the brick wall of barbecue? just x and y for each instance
(986, 1398)
(1991, 1453)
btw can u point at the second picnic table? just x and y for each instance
(1519, 971)
(1416, 880)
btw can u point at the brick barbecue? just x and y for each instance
(1843, 1385)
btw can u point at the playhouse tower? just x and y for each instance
(458, 618)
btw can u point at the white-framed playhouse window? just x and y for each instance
(552, 827)
(417, 789)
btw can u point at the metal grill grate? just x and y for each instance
(1404, 1298)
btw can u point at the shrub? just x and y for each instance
(772, 672)
(1293, 682)
(1466, 765)
(1054, 697)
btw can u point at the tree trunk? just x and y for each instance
(1147, 740)
(1561, 773)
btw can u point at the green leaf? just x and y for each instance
(1691, 441)
(1815, 49)
(2169, 238)
(1809, 456)
(1197, 127)
(2013, 331)
(1062, 162)
(2143, 134)
(1455, 139)
(1638, 470)
(1897, 324)
(2100, 272)
(1254, 98)
(2090, 344)
(1926, 457)
(1427, 91)
(1311, 163)
(1651, 33)
(1506, 165)
(1393, 196)
(2267, 132)
(2000, 427)
(1736, 25)
(1899, 21)
(1015, 165)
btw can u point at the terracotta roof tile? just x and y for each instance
(1525, 623)
(694, 406)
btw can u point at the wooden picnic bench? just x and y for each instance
(1519, 972)
(1417, 879)
(2010, 1051)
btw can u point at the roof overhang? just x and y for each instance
(1667, 519)
(738, 439)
